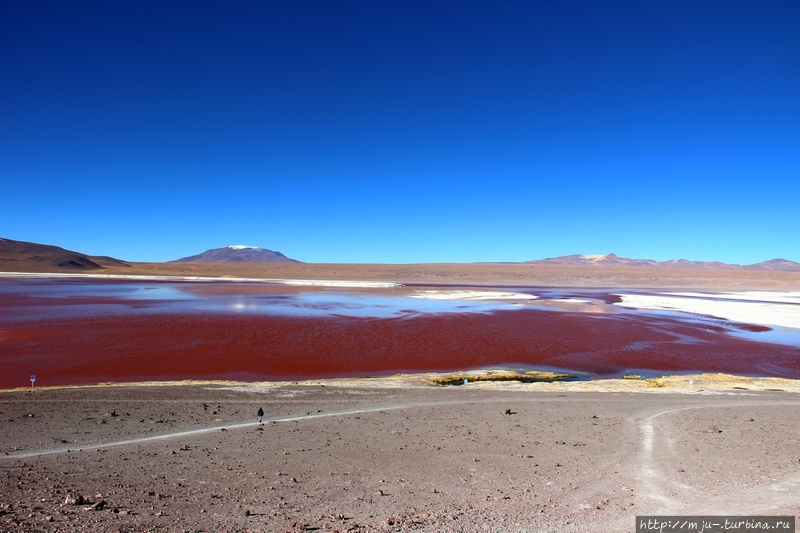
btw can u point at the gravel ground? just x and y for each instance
(351, 457)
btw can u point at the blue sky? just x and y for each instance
(403, 131)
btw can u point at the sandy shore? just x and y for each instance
(397, 454)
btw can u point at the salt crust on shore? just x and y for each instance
(791, 297)
(470, 295)
(293, 282)
(762, 308)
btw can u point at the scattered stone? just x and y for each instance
(713, 429)
(74, 499)
(97, 506)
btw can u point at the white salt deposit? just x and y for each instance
(791, 297)
(768, 309)
(296, 282)
(337, 283)
(470, 295)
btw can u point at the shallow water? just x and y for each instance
(72, 331)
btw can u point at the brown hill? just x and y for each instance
(20, 256)
(237, 254)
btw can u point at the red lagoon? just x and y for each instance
(70, 334)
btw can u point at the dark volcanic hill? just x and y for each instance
(614, 260)
(20, 256)
(237, 254)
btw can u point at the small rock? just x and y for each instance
(74, 499)
(97, 506)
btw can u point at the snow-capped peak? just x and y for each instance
(242, 247)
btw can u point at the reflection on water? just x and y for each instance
(576, 305)
(343, 303)
(80, 297)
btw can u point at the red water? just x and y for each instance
(175, 346)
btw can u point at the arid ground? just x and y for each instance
(485, 273)
(397, 454)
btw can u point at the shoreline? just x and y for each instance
(483, 379)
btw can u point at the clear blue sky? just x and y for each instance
(397, 131)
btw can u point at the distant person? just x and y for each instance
(260, 414)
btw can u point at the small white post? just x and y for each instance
(33, 378)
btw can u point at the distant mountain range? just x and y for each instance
(20, 256)
(615, 260)
(237, 253)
